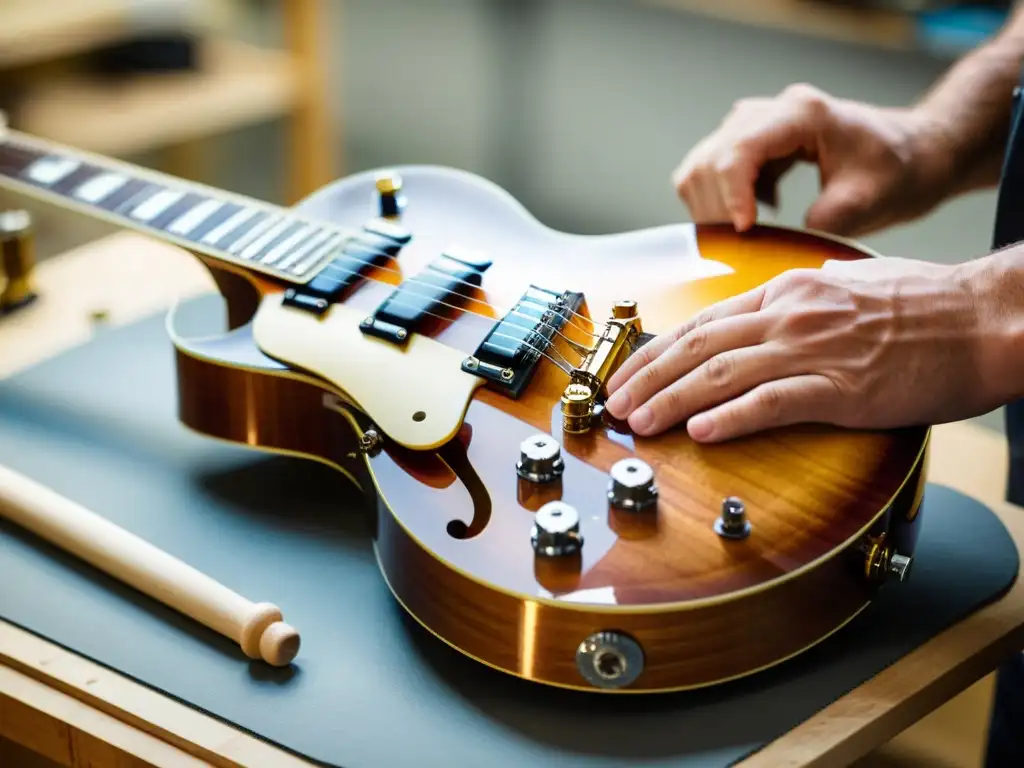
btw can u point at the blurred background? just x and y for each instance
(580, 108)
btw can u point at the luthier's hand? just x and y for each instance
(878, 166)
(872, 344)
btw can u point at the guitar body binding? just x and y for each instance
(423, 334)
(451, 519)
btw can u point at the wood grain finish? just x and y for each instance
(453, 526)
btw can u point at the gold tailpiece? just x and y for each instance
(587, 381)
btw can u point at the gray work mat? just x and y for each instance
(371, 688)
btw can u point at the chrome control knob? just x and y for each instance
(540, 459)
(632, 485)
(899, 566)
(733, 523)
(556, 530)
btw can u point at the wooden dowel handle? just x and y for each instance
(257, 627)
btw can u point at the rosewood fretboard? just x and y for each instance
(221, 225)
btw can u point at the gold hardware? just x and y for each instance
(577, 406)
(17, 259)
(587, 381)
(624, 309)
(389, 193)
(881, 561)
(876, 561)
(389, 184)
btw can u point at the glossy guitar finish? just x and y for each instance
(654, 599)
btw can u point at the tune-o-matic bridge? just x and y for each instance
(429, 293)
(621, 335)
(509, 354)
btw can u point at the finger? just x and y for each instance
(722, 377)
(750, 301)
(778, 403)
(690, 351)
(766, 187)
(737, 177)
(758, 156)
(704, 198)
(845, 206)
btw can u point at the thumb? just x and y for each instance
(844, 206)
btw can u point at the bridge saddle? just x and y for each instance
(621, 335)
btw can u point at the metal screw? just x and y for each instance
(733, 523)
(370, 443)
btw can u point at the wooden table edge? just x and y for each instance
(852, 726)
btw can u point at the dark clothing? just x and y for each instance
(1006, 730)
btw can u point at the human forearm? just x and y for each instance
(996, 285)
(970, 107)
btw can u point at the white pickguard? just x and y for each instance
(417, 395)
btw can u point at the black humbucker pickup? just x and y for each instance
(372, 247)
(510, 353)
(437, 288)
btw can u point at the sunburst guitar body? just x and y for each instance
(422, 333)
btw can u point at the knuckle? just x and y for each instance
(704, 317)
(808, 99)
(725, 163)
(769, 402)
(641, 359)
(672, 402)
(800, 280)
(719, 370)
(647, 378)
(803, 93)
(694, 342)
(746, 146)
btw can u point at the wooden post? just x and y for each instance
(311, 161)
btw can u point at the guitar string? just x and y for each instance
(576, 347)
(349, 235)
(550, 343)
(461, 281)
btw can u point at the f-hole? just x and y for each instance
(455, 456)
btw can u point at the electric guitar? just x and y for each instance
(420, 332)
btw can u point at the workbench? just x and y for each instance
(57, 708)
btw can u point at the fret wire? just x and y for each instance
(155, 204)
(332, 241)
(249, 235)
(267, 239)
(224, 221)
(289, 244)
(189, 202)
(198, 233)
(257, 233)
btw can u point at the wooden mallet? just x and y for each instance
(257, 627)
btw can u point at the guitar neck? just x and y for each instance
(219, 225)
